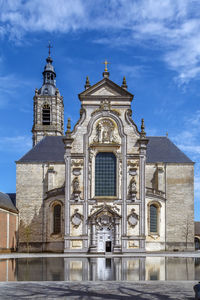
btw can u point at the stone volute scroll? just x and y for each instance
(133, 218)
(76, 219)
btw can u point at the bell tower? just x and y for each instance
(48, 106)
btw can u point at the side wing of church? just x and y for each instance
(105, 186)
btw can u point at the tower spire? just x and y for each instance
(48, 105)
(49, 75)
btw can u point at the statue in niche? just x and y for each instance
(75, 184)
(132, 189)
(104, 132)
(76, 189)
(133, 185)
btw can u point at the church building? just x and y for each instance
(104, 186)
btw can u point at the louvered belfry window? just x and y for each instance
(57, 219)
(105, 174)
(46, 114)
(153, 218)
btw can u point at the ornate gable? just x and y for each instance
(107, 88)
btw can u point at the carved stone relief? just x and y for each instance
(76, 219)
(105, 132)
(77, 162)
(105, 105)
(112, 207)
(104, 220)
(133, 218)
(77, 171)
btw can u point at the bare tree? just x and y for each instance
(28, 236)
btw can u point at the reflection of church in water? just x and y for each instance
(101, 268)
(105, 186)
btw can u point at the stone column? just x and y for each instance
(67, 140)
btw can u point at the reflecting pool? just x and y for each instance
(95, 269)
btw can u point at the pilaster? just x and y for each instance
(67, 140)
(143, 141)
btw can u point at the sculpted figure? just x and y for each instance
(76, 184)
(132, 186)
(99, 133)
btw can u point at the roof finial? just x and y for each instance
(106, 65)
(68, 125)
(87, 83)
(143, 133)
(166, 134)
(106, 73)
(49, 46)
(124, 85)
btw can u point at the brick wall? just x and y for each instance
(8, 230)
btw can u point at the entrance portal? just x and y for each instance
(104, 240)
(108, 246)
(105, 233)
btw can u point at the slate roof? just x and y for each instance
(6, 202)
(159, 149)
(12, 197)
(49, 149)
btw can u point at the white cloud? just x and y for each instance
(19, 144)
(188, 139)
(131, 70)
(171, 25)
(9, 84)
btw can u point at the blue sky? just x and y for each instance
(154, 43)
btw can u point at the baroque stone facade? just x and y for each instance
(104, 186)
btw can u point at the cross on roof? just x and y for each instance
(49, 46)
(106, 65)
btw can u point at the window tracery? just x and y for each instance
(105, 174)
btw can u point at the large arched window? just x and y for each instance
(46, 114)
(153, 218)
(105, 174)
(57, 219)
